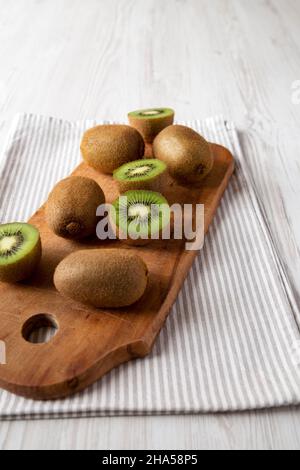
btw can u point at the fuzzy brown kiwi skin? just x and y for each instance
(150, 128)
(23, 268)
(106, 278)
(107, 147)
(71, 207)
(187, 154)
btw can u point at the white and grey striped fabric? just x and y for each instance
(232, 340)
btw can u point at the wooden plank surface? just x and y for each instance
(105, 338)
(102, 58)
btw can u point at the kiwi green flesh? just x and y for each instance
(17, 240)
(151, 113)
(140, 170)
(141, 213)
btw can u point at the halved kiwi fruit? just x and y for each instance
(140, 174)
(139, 216)
(20, 251)
(150, 122)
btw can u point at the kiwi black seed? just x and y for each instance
(106, 278)
(20, 251)
(72, 206)
(187, 154)
(150, 122)
(107, 147)
(140, 174)
(139, 216)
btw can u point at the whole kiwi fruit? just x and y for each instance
(72, 205)
(103, 278)
(187, 154)
(107, 147)
(20, 251)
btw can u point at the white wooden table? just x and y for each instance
(81, 59)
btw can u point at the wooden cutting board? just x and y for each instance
(89, 342)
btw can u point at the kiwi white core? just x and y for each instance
(8, 243)
(141, 170)
(151, 112)
(138, 211)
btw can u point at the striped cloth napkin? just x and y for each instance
(231, 341)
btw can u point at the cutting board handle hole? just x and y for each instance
(39, 328)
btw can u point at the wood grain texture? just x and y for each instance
(263, 430)
(104, 338)
(100, 59)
